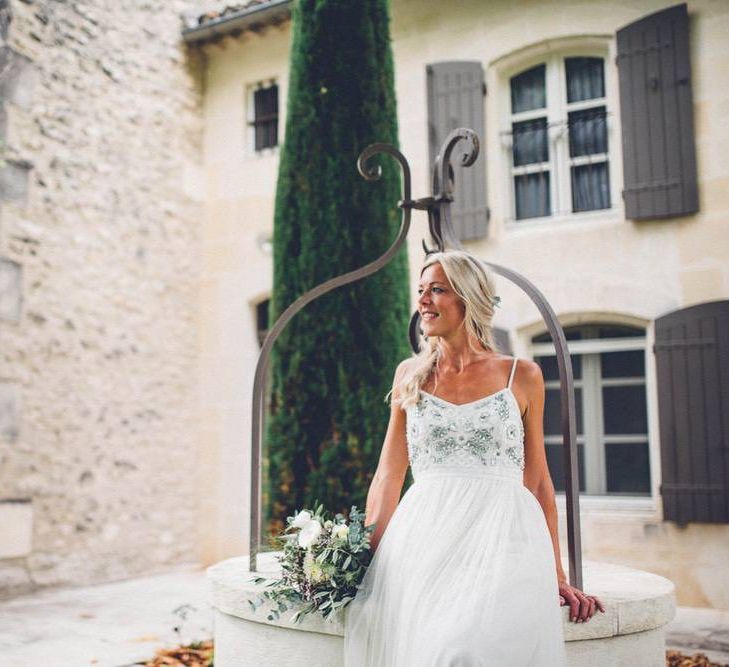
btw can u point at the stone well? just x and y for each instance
(630, 633)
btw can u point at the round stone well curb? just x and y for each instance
(631, 632)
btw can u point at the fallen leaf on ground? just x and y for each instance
(198, 654)
(675, 658)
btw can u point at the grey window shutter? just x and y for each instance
(656, 112)
(503, 340)
(692, 372)
(456, 99)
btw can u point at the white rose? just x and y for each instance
(341, 531)
(328, 523)
(309, 533)
(312, 570)
(317, 574)
(301, 519)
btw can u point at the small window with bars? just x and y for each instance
(262, 324)
(265, 117)
(558, 138)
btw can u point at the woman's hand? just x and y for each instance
(582, 607)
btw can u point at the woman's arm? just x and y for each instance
(538, 480)
(384, 492)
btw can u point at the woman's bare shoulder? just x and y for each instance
(527, 382)
(529, 368)
(528, 376)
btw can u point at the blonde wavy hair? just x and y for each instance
(474, 285)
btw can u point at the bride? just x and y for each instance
(466, 567)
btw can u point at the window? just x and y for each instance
(608, 366)
(262, 320)
(265, 117)
(558, 138)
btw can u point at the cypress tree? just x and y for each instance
(333, 364)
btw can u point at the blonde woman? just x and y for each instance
(466, 567)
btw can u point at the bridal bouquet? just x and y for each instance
(322, 563)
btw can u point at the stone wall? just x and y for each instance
(100, 207)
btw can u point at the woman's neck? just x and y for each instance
(456, 356)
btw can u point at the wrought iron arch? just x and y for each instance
(442, 232)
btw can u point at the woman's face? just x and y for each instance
(441, 310)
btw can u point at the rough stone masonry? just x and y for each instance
(100, 210)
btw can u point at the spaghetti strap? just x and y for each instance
(511, 375)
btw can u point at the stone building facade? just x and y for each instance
(100, 206)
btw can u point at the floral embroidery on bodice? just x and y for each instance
(486, 432)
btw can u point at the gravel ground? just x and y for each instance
(107, 625)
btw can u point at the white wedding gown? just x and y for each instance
(464, 574)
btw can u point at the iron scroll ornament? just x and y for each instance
(257, 417)
(438, 207)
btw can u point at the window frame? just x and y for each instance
(262, 307)
(559, 165)
(594, 461)
(250, 105)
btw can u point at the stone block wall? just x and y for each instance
(100, 214)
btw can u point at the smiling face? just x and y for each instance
(441, 309)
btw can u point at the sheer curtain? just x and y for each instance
(530, 144)
(587, 134)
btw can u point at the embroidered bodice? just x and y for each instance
(486, 432)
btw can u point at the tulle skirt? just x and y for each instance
(464, 576)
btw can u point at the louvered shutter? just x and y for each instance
(456, 99)
(692, 367)
(656, 112)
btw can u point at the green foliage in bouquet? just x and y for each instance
(334, 362)
(322, 564)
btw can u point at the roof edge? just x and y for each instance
(261, 14)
